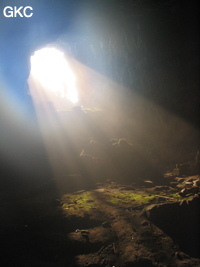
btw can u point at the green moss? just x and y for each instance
(121, 198)
(87, 202)
(78, 204)
(129, 199)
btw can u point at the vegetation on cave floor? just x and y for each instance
(120, 233)
(89, 202)
(131, 198)
(78, 203)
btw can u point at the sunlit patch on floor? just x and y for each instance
(84, 203)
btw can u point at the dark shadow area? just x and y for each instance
(181, 222)
(34, 231)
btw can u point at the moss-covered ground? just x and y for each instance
(87, 202)
(78, 204)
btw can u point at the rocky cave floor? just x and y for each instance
(110, 225)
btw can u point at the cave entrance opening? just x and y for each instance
(52, 79)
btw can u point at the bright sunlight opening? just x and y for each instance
(51, 69)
